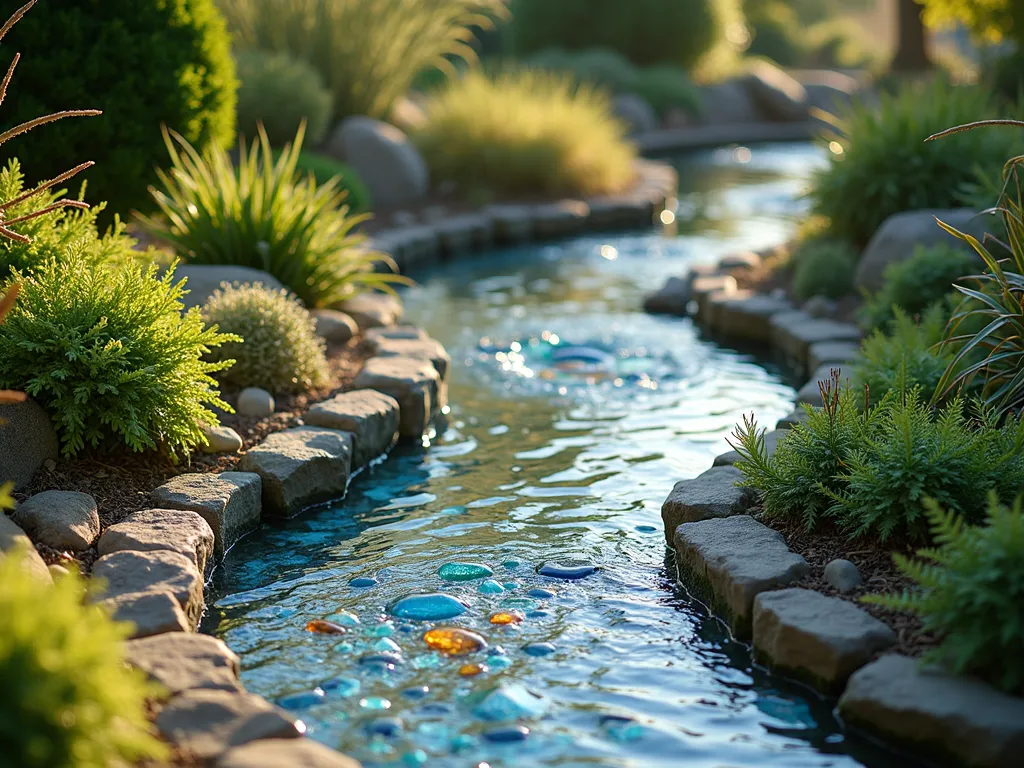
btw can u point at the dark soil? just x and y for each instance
(121, 482)
(878, 573)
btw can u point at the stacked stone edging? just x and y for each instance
(743, 570)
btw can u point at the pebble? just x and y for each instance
(464, 571)
(388, 727)
(538, 649)
(454, 641)
(543, 594)
(506, 617)
(510, 702)
(647, 529)
(510, 565)
(471, 670)
(324, 627)
(341, 686)
(386, 644)
(363, 581)
(843, 575)
(415, 758)
(375, 703)
(491, 587)
(417, 692)
(430, 607)
(383, 659)
(509, 585)
(304, 700)
(507, 735)
(344, 618)
(253, 401)
(567, 572)
(221, 440)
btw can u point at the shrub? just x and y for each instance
(147, 63)
(971, 593)
(666, 88)
(108, 354)
(325, 168)
(776, 32)
(917, 283)
(367, 51)
(841, 43)
(909, 355)
(71, 700)
(263, 215)
(281, 92)
(647, 32)
(525, 132)
(824, 268)
(886, 166)
(279, 348)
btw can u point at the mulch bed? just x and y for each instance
(879, 575)
(122, 481)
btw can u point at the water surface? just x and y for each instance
(550, 454)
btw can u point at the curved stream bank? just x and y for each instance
(572, 415)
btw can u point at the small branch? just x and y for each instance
(80, 205)
(46, 185)
(16, 18)
(10, 234)
(972, 126)
(25, 127)
(8, 76)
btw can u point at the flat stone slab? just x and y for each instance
(427, 349)
(159, 571)
(711, 494)
(373, 310)
(702, 288)
(206, 724)
(230, 502)
(60, 519)
(794, 333)
(372, 417)
(936, 713)
(175, 530)
(12, 538)
(183, 662)
(562, 218)
(300, 467)
(152, 613)
(818, 639)
(771, 442)
(728, 562)
(395, 332)
(414, 383)
(285, 753)
(745, 316)
(512, 223)
(834, 353)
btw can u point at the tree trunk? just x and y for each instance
(912, 47)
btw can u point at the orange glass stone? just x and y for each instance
(507, 617)
(324, 627)
(471, 670)
(453, 641)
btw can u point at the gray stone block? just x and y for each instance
(284, 753)
(183, 662)
(793, 333)
(159, 571)
(414, 383)
(371, 416)
(372, 310)
(229, 501)
(838, 354)
(151, 613)
(711, 494)
(13, 539)
(173, 530)
(60, 519)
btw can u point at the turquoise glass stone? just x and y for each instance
(430, 607)
(464, 571)
(491, 587)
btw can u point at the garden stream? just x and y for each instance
(572, 415)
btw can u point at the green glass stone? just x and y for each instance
(464, 571)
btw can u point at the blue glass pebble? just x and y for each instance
(344, 618)
(567, 572)
(437, 708)
(507, 735)
(498, 662)
(299, 701)
(430, 607)
(388, 727)
(363, 581)
(387, 644)
(519, 603)
(375, 703)
(646, 529)
(415, 759)
(491, 587)
(464, 571)
(462, 742)
(540, 613)
(386, 659)
(383, 630)
(417, 692)
(341, 686)
(543, 594)
(510, 565)
(538, 649)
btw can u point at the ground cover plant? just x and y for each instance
(70, 701)
(525, 132)
(279, 348)
(265, 215)
(368, 71)
(108, 354)
(146, 63)
(970, 592)
(885, 165)
(823, 267)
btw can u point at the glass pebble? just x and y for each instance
(429, 607)
(376, 703)
(491, 587)
(538, 649)
(464, 571)
(363, 581)
(454, 641)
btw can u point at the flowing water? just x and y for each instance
(572, 415)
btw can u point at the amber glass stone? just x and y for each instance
(454, 641)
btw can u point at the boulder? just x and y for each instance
(427, 349)
(12, 538)
(414, 383)
(300, 467)
(221, 440)
(172, 530)
(127, 572)
(27, 440)
(64, 520)
(151, 613)
(373, 310)
(671, 299)
(389, 164)
(183, 662)
(206, 724)
(777, 95)
(798, 416)
(230, 502)
(253, 401)
(333, 326)
(818, 639)
(371, 416)
(727, 562)
(954, 719)
(901, 233)
(205, 279)
(284, 753)
(711, 494)
(727, 103)
(771, 442)
(634, 111)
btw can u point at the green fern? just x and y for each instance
(971, 592)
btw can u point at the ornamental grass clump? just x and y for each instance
(264, 214)
(279, 349)
(525, 132)
(368, 52)
(70, 701)
(107, 352)
(970, 592)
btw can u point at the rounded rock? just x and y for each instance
(429, 607)
(567, 572)
(543, 594)
(221, 440)
(843, 575)
(333, 326)
(60, 519)
(253, 401)
(298, 701)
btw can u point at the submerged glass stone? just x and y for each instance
(299, 701)
(506, 735)
(542, 594)
(429, 607)
(376, 703)
(324, 627)
(491, 587)
(464, 571)
(344, 618)
(387, 644)
(387, 727)
(538, 649)
(471, 670)
(507, 617)
(454, 641)
(566, 572)
(341, 686)
(363, 581)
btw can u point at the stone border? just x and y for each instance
(422, 245)
(744, 571)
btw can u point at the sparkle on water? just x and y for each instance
(572, 414)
